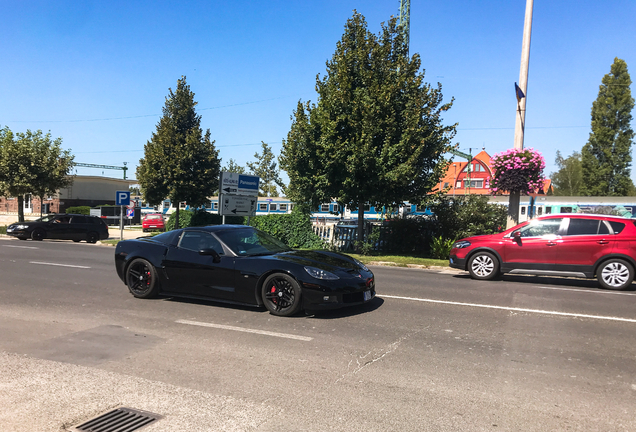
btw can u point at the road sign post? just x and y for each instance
(238, 194)
(122, 198)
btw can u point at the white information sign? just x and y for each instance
(238, 184)
(237, 205)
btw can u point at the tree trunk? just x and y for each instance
(360, 226)
(513, 209)
(20, 208)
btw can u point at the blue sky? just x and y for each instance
(97, 73)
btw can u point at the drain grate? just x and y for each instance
(118, 420)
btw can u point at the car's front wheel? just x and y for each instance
(38, 234)
(141, 279)
(281, 295)
(615, 274)
(92, 237)
(483, 266)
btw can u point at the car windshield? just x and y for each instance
(250, 242)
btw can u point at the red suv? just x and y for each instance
(576, 245)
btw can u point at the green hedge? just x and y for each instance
(188, 218)
(85, 210)
(3, 229)
(294, 229)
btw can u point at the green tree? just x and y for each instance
(53, 165)
(375, 135)
(266, 168)
(606, 157)
(568, 179)
(17, 160)
(180, 162)
(233, 167)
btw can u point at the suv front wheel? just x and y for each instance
(483, 266)
(615, 274)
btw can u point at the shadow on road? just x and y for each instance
(555, 281)
(347, 311)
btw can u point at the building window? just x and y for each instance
(282, 207)
(548, 210)
(477, 183)
(182, 205)
(215, 206)
(291, 207)
(566, 209)
(445, 185)
(262, 207)
(324, 207)
(539, 211)
(458, 185)
(166, 204)
(336, 208)
(523, 210)
(272, 207)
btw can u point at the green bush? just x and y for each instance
(293, 229)
(440, 247)
(3, 229)
(84, 210)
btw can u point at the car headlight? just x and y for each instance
(320, 274)
(362, 266)
(461, 244)
(19, 226)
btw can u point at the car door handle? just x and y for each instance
(603, 242)
(551, 244)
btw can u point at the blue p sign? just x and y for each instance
(122, 198)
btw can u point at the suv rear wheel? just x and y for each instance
(483, 266)
(615, 274)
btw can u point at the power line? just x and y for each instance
(143, 116)
(141, 151)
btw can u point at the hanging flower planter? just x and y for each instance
(517, 171)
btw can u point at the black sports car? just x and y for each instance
(240, 264)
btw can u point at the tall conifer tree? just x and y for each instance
(606, 158)
(180, 162)
(375, 135)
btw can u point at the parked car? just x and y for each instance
(61, 226)
(578, 245)
(240, 264)
(153, 221)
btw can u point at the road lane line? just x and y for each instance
(513, 309)
(594, 291)
(22, 247)
(59, 265)
(245, 330)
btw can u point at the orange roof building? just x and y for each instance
(471, 178)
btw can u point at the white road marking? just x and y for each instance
(59, 265)
(245, 330)
(537, 311)
(22, 247)
(593, 291)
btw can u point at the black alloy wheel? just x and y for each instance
(92, 237)
(483, 266)
(281, 295)
(38, 234)
(141, 279)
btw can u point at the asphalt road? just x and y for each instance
(435, 351)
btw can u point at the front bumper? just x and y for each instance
(343, 293)
(22, 232)
(457, 263)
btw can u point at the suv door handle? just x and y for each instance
(550, 243)
(603, 242)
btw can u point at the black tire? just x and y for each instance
(615, 274)
(38, 234)
(76, 241)
(92, 237)
(281, 295)
(141, 279)
(483, 266)
(22, 238)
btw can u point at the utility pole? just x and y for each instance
(520, 123)
(405, 21)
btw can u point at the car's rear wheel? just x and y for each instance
(615, 274)
(92, 237)
(38, 234)
(281, 295)
(76, 241)
(22, 238)
(141, 279)
(483, 266)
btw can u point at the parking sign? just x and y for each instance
(122, 198)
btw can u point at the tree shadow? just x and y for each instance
(556, 281)
(346, 311)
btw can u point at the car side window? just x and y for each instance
(585, 227)
(617, 227)
(79, 220)
(197, 240)
(541, 228)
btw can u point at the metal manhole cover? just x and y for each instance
(118, 420)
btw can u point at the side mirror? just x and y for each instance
(517, 236)
(211, 252)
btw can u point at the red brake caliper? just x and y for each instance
(274, 298)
